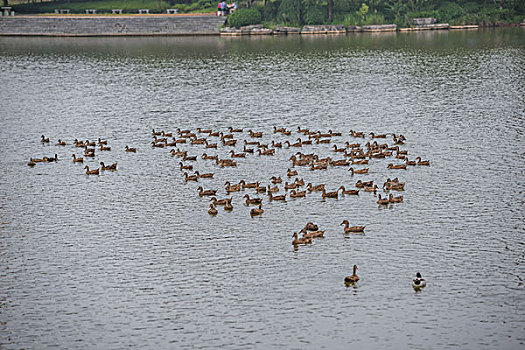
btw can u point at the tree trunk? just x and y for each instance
(330, 7)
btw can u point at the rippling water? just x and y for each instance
(132, 258)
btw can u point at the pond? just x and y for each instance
(131, 258)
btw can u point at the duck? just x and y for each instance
(257, 211)
(252, 200)
(276, 180)
(377, 136)
(334, 194)
(60, 143)
(339, 149)
(382, 201)
(318, 188)
(352, 145)
(349, 192)
(251, 143)
(297, 144)
(290, 186)
(249, 184)
(354, 278)
(229, 143)
(397, 166)
(51, 159)
(31, 163)
(206, 156)
(370, 188)
(103, 148)
(205, 176)
(178, 152)
(78, 143)
(291, 173)
(166, 134)
(203, 131)
(237, 155)
(248, 150)
(155, 133)
(273, 189)
(223, 201)
(360, 162)
(361, 184)
(89, 152)
(360, 171)
(44, 139)
(295, 194)
(277, 198)
(341, 162)
(228, 206)
(157, 145)
(185, 167)
(422, 162)
(419, 282)
(312, 234)
(203, 192)
(299, 182)
(275, 130)
(277, 144)
(210, 145)
(109, 167)
(226, 162)
(266, 152)
(101, 142)
(89, 143)
(357, 134)
(186, 157)
(232, 188)
(255, 134)
(129, 149)
(302, 240)
(91, 172)
(310, 226)
(260, 189)
(190, 177)
(319, 141)
(410, 162)
(77, 160)
(354, 229)
(393, 199)
(234, 130)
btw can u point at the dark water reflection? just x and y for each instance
(132, 259)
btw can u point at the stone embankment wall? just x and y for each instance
(110, 25)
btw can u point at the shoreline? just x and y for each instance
(140, 25)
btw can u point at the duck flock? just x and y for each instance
(219, 149)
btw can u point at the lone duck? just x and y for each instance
(422, 162)
(418, 282)
(354, 229)
(129, 149)
(352, 279)
(60, 143)
(44, 139)
(257, 211)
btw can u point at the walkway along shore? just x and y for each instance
(174, 25)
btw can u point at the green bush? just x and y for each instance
(244, 17)
(450, 11)
(269, 11)
(315, 15)
(290, 12)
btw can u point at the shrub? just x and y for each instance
(315, 15)
(450, 11)
(290, 12)
(244, 17)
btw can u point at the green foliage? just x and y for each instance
(450, 11)
(315, 15)
(269, 11)
(357, 20)
(244, 17)
(290, 12)
(363, 10)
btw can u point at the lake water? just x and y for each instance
(131, 259)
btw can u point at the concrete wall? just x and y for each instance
(110, 25)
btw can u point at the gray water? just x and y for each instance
(131, 259)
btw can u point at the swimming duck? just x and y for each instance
(422, 162)
(229, 143)
(288, 186)
(355, 229)
(210, 145)
(185, 167)
(205, 131)
(60, 143)
(291, 173)
(273, 189)
(249, 184)
(267, 152)
(418, 282)
(310, 226)
(77, 160)
(237, 155)
(334, 194)
(109, 167)
(255, 134)
(350, 192)
(232, 188)
(383, 201)
(276, 180)
(360, 171)
(311, 188)
(205, 176)
(101, 142)
(277, 198)
(228, 206)
(44, 139)
(206, 156)
(341, 162)
(186, 157)
(235, 130)
(102, 148)
(190, 177)
(129, 149)
(155, 133)
(257, 211)
(377, 136)
(91, 172)
(353, 278)
(277, 144)
(393, 199)
(361, 184)
(223, 201)
(252, 200)
(312, 234)
(357, 134)
(89, 143)
(302, 240)
(397, 166)
(295, 194)
(31, 163)
(203, 192)
(166, 134)
(370, 189)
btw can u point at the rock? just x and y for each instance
(261, 31)
(354, 29)
(253, 26)
(380, 28)
(423, 21)
(286, 30)
(233, 31)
